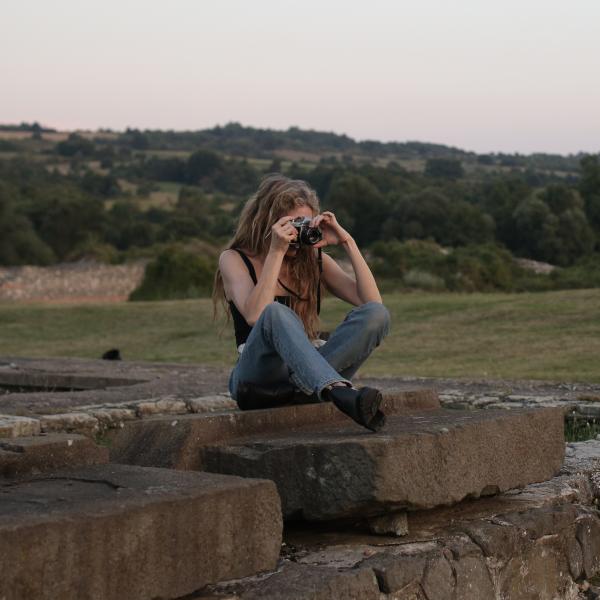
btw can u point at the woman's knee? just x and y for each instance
(376, 318)
(276, 311)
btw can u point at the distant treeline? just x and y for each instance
(236, 139)
(34, 127)
(89, 196)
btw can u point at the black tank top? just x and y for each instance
(240, 325)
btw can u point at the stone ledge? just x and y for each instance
(119, 532)
(39, 454)
(419, 460)
(175, 441)
(12, 426)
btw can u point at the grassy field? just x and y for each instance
(554, 335)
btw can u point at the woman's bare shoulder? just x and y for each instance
(231, 263)
(229, 259)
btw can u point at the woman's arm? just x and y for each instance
(251, 299)
(357, 291)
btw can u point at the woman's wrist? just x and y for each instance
(277, 251)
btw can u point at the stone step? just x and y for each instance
(419, 460)
(122, 532)
(31, 455)
(175, 441)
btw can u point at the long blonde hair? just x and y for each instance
(275, 197)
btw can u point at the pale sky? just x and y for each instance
(483, 75)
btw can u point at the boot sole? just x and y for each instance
(369, 401)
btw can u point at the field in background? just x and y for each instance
(553, 335)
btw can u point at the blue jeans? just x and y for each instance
(278, 349)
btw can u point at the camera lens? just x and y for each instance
(311, 235)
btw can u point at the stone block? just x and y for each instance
(402, 569)
(419, 460)
(161, 406)
(438, 580)
(110, 417)
(395, 523)
(539, 571)
(43, 453)
(12, 426)
(303, 582)
(469, 567)
(122, 532)
(588, 535)
(591, 411)
(78, 422)
(163, 441)
(210, 404)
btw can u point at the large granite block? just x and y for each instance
(116, 531)
(419, 460)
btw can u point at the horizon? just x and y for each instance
(344, 134)
(515, 78)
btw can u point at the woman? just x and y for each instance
(271, 285)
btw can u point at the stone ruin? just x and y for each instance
(141, 481)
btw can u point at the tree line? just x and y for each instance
(47, 215)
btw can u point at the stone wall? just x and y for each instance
(78, 281)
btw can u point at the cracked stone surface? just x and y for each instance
(116, 531)
(101, 382)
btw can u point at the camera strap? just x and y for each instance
(320, 262)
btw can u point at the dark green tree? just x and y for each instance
(444, 168)
(75, 145)
(203, 165)
(358, 205)
(589, 187)
(19, 243)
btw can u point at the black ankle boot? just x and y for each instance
(361, 405)
(253, 396)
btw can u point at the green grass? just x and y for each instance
(552, 335)
(578, 430)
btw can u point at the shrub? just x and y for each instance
(394, 258)
(480, 269)
(425, 265)
(174, 274)
(585, 273)
(423, 280)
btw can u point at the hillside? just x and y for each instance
(432, 216)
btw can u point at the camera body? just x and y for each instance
(307, 235)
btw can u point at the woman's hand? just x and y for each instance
(282, 233)
(333, 232)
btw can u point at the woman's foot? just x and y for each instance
(361, 405)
